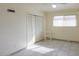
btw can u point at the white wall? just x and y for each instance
(65, 33)
(13, 28)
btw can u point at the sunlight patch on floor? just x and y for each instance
(40, 49)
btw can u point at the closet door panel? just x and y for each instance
(33, 29)
(38, 26)
(29, 29)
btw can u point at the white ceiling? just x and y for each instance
(46, 6)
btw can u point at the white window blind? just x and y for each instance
(69, 20)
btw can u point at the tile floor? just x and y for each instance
(51, 48)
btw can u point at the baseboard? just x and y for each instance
(16, 52)
(39, 40)
(62, 40)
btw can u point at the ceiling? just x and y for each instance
(46, 6)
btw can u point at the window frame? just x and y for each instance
(63, 21)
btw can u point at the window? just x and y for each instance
(69, 20)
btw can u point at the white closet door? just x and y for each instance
(34, 29)
(29, 30)
(39, 27)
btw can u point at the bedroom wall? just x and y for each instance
(13, 28)
(64, 33)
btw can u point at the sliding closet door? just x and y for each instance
(38, 27)
(34, 29)
(29, 30)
